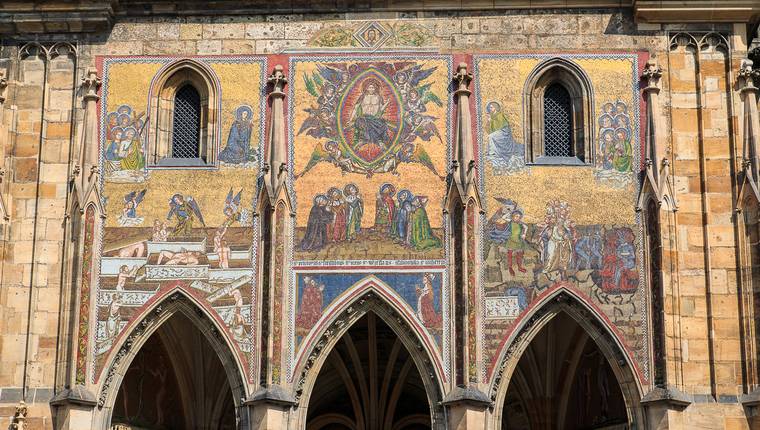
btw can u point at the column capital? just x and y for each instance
(747, 75)
(462, 78)
(278, 81)
(651, 76)
(90, 85)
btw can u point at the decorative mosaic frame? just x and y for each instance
(103, 65)
(364, 266)
(642, 367)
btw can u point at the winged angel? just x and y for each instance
(331, 83)
(128, 217)
(185, 209)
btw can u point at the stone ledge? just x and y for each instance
(19, 18)
(467, 395)
(77, 395)
(670, 396)
(82, 16)
(273, 394)
(751, 400)
(678, 11)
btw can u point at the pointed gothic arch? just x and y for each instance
(177, 302)
(565, 301)
(368, 299)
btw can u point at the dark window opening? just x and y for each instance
(187, 123)
(558, 125)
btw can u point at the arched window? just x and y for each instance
(187, 123)
(558, 122)
(184, 116)
(558, 109)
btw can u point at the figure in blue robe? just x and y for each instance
(501, 143)
(238, 149)
(401, 217)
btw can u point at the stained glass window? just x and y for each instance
(187, 123)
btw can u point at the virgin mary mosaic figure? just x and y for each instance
(238, 149)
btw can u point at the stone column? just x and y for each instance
(651, 77)
(276, 144)
(464, 161)
(88, 153)
(748, 90)
(663, 405)
(466, 405)
(4, 212)
(269, 407)
(751, 128)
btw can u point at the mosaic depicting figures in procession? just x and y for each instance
(380, 129)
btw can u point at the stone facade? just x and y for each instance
(84, 279)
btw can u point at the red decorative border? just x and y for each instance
(472, 301)
(83, 336)
(279, 279)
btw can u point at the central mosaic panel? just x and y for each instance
(370, 147)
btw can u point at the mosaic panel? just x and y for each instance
(370, 142)
(549, 227)
(373, 35)
(170, 228)
(421, 293)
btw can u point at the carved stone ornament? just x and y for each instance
(18, 422)
(278, 81)
(747, 75)
(462, 78)
(3, 86)
(651, 75)
(90, 85)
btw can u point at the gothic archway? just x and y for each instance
(335, 343)
(369, 382)
(176, 356)
(563, 381)
(586, 340)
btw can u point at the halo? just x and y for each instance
(602, 117)
(123, 115)
(388, 185)
(624, 130)
(492, 103)
(243, 108)
(124, 109)
(350, 185)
